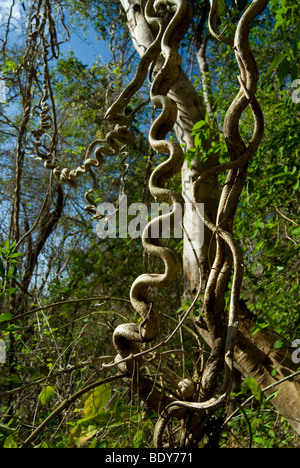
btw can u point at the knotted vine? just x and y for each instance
(170, 19)
(127, 336)
(228, 253)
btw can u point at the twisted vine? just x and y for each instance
(42, 36)
(228, 250)
(127, 337)
(43, 30)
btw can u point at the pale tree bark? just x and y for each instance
(255, 355)
(191, 109)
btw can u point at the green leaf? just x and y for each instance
(297, 185)
(92, 430)
(294, 71)
(6, 247)
(96, 400)
(275, 63)
(5, 317)
(199, 125)
(15, 255)
(2, 269)
(46, 445)
(280, 298)
(114, 402)
(46, 395)
(274, 372)
(296, 42)
(138, 440)
(253, 386)
(273, 395)
(254, 425)
(261, 324)
(296, 231)
(184, 307)
(222, 8)
(11, 272)
(278, 344)
(283, 69)
(10, 442)
(102, 419)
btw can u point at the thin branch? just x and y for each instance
(285, 217)
(66, 404)
(72, 301)
(54, 376)
(270, 387)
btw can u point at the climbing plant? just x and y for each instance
(192, 155)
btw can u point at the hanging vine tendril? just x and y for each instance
(170, 19)
(128, 336)
(43, 45)
(240, 156)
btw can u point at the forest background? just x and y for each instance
(64, 291)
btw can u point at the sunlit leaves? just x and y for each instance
(46, 395)
(96, 401)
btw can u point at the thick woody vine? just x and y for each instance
(228, 253)
(171, 19)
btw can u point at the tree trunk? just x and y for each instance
(191, 110)
(255, 355)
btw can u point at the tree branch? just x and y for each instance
(66, 405)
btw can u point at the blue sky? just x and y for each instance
(85, 45)
(87, 48)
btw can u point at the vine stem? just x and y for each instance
(65, 405)
(273, 385)
(161, 343)
(72, 301)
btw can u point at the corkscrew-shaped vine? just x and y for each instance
(166, 43)
(115, 140)
(228, 250)
(128, 336)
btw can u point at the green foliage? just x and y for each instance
(108, 422)
(286, 62)
(266, 222)
(208, 141)
(256, 425)
(6, 436)
(46, 395)
(66, 339)
(254, 387)
(8, 269)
